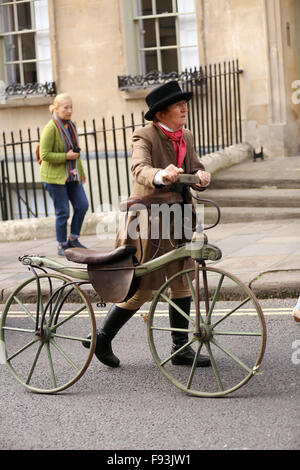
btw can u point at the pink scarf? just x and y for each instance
(178, 143)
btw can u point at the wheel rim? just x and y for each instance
(53, 358)
(233, 339)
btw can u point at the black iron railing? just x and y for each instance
(106, 158)
(214, 118)
(30, 89)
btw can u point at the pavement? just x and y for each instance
(262, 253)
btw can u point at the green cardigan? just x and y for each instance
(53, 156)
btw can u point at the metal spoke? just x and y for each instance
(69, 317)
(192, 291)
(177, 352)
(51, 365)
(22, 349)
(191, 287)
(67, 358)
(25, 309)
(237, 333)
(21, 330)
(187, 317)
(197, 298)
(72, 338)
(214, 366)
(231, 355)
(231, 312)
(34, 364)
(215, 298)
(181, 330)
(191, 376)
(205, 287)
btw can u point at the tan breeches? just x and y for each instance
(142, 296)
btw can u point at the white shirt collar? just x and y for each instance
(165, 127)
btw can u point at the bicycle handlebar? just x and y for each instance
(185, 178)
(191, 180)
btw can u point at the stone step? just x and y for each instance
(262, 197)
(250, 214)
(263, 182)
(273, 173)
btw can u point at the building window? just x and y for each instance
(25, 55)
(166, 35)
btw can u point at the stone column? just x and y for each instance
(282, 126)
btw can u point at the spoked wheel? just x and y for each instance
(41, 337)
(232, 334)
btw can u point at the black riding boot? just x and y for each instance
(186, 357)
(115, 319)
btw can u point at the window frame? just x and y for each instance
(158, 49)
(19, 33)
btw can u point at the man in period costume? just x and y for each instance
(160, 152)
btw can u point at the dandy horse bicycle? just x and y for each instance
(41, 341)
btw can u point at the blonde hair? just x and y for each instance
(57, 101)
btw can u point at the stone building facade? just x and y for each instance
(92, 42)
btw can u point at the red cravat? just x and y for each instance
(178, 142)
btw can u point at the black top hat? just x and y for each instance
(163, 96)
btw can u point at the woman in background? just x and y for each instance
(62, 172)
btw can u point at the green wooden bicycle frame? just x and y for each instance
(202, 252)
(195, 250)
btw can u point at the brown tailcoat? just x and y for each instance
(152, 151)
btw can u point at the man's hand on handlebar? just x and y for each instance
(170, 174)
(204, 177)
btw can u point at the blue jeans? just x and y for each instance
(61, 195)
